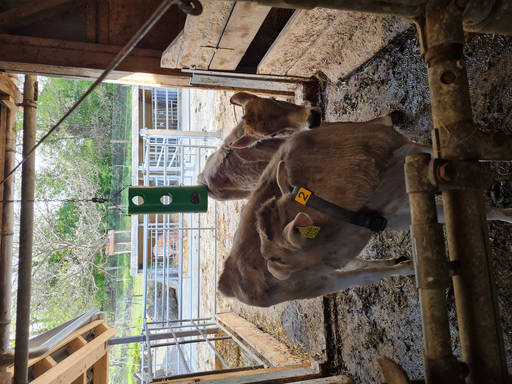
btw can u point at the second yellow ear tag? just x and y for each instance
(309, 232)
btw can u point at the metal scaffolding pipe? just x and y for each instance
(7, 235)
(478, 316)
(26, 233)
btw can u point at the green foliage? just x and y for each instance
(73, 165)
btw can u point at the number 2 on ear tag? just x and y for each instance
(303, 196)
(309, 232)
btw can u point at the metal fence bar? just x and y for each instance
(211, 345)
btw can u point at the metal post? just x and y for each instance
(26, 232)
(432, 278)
(7, 235)
(475, 289)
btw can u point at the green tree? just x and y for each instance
(70, 232)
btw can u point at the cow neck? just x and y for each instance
(375, 223)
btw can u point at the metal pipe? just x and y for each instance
(7, 235)
(26, 232)
(475, 289)
(432, 276)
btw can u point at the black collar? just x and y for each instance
(375, 223)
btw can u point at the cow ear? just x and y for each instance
(278, 271)
(282, 178)
(241, 98)
(243, 142)
(301, 220)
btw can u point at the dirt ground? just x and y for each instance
(351, 329)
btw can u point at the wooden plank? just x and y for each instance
(10, 103)
(267, 346)
(8, 87)
(84, 60)
(351, 40)
(43, 366)
(77, 363)
(240, 83)
(101, 370)
(125, 19)
(254, 376)
(296, 38)
(203, 31)
(91, 21)
(171, 55)
(35, 11)
(328, 380)
(102, 19)
(5, 377)
(244, 22)
(64, 342)
(82, 379)
(100, 329)
(76, 344)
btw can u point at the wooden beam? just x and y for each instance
(203, 31)
(85, 61)
(36, 50)
(101, 370)
(171, 55)
(43, 366)
(91, 21)
(100, 329)
(297, 37)
(276, 375)
(78, 363)
(267, 346)
(10, 103)
(244, 22)
(76, 344)
(82, 379)
(8, 87)
(5, 377)
(102, 21)
(67, 340)
(35, 11)
(240, 84)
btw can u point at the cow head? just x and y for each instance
(266, 118)
(282, 244)
(231, 173)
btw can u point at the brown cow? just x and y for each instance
(356, 166)
(232, 173)
(265, 118)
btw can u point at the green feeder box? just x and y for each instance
(189, 199)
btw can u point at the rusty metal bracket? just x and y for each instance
(28, 103)
(459, 174)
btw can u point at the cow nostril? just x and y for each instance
(315, 119)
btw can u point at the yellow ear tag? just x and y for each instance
(309, 232)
